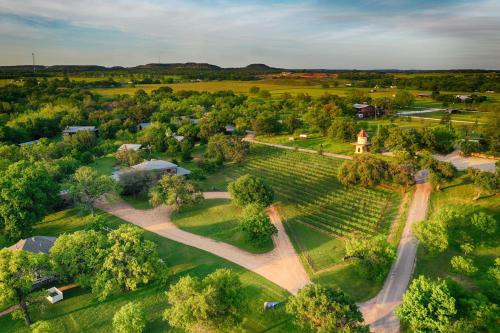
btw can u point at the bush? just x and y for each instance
(432, 235)
(129, 318)
(135, 182)
(249, 189)
(463, 265)
(484, 222)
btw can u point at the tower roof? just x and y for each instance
(363, 134)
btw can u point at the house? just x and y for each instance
(35, 244)
(28, 143)
(144, 125)
(364, 110)
(230, 128)
(75, 129)
(362, 143)
(424, 95)
(130, 146)
(161, 166)
(463, 98)
(179, 138)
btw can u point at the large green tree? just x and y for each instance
(19, 270)
(427, 306)
(176, 191)
(27, 192)
(325, 309)
(87, 186)
(257, 225)
(214, 304)
(130, 318)
(249, 189)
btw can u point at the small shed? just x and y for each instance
(55, 295)
(130, 146)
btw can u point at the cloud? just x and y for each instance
(307, 34)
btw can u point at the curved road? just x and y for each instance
(379, 311)
(281, 265)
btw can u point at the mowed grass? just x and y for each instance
(314, 141)
(217, 219)
(319, 213)
(80, 311)
(460, 194)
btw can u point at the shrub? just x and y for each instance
(129, 318)
(463, 265)
(257, 225)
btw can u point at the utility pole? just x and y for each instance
(33, 55)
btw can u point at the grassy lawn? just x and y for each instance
(81, 312)
(140, 201)
(314, 141)
(460, 193)
(217, 219)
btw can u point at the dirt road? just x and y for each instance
(281, 266)
(379, 311)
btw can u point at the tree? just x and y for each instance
(365, 169)
(176, 191)
(485, 181)
(18, 272)
(128, 157)
(400, 139)
(343, 129)
(214, 304)
(130, 261)
(432, 235)
(325, 309)
(222, 148)
(27, 191)
(254, 90)
(403, 99)
(463, 265)
(291, 122)
(403, 173)
(318, 120)
(79, 256)
(249, 189)
(427, 306)
(484, 222)
(129, 318)
(375, 256)
(87, 186)
(257, 225)
(266, 123)
(154, 136)
(135, 182)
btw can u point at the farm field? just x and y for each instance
(459, 194)
(319, 213)
(217, 219)
(81, 312)
(481, 117)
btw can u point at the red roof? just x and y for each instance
(363, 134)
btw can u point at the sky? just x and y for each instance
(345, 34)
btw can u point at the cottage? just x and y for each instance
(144, 125)
(130, 146)
(424, 95)
(35, 244)
(463, 98)
(362, 143)
(160, 166)
(75, 129)
(364, 110)
(28, 143)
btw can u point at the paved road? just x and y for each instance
(281, 266)
(379, 311)
(251, 139)
(462, 163)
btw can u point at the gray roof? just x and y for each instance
(154, 165)
(74, 129)
(36, 244)
(144, 125)
(130, 146)
(28, 143)
(360, 106)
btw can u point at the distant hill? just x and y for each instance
(260, 67)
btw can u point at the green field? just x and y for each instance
(81, 312)
(314, 141)
(460, 193)
(217, 219)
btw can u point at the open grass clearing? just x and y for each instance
(217, 219)
(81, 312)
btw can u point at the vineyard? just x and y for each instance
(309, 183)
